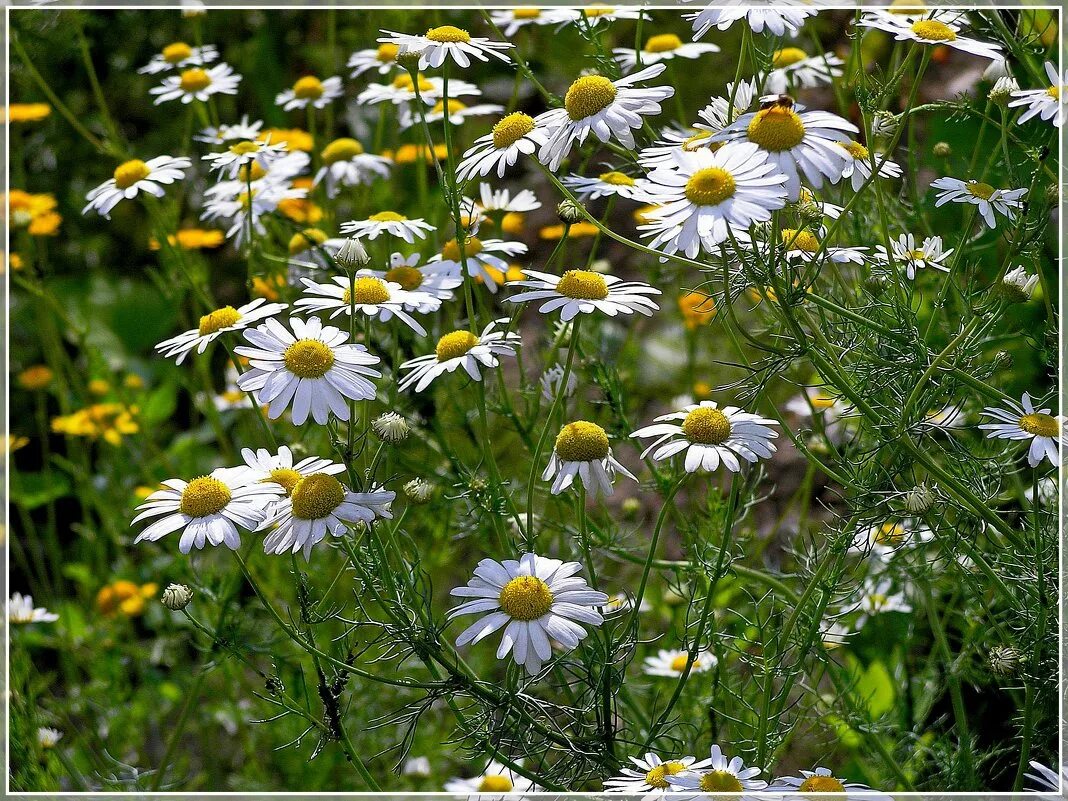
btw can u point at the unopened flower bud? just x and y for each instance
(550, 383)
(1004, 660)
(419, 490)
(391, 427)
(409, 58)
(570, 212)
(919, 499)
(631, 508)
(1003, 360)
(274, 685)
(1017, 286)
(942, 150)
(176, 597)
(1053, 194)
(352, 255)
(810, 212)
(884, 124)
(1003, 89)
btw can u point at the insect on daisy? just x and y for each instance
(365, 293)
(701, 195)
(710, 436)
(717, 774)
(609, 109)
(20, 609)
(388, 222)
(134, 176)
(309, 90)
(447, 41)
(495, 782)
(179, 55)
(482, 258)
(662, 47)
(243, 154)
(608, 184)
(1023, 421)
(317, 505)
(197, 83)
(208, 509)
(216, 323)
(672, 663)
(382, 58)
(460, 349)
(987, 198)
(648, 776)
(821, 780)
(584, 292)
(534, 599)
(787, 17)
(514, 135)
(940, 28)
(1047, 104)
(582, 449)
(858, 165)
(346, 164)
(904, 251)
(314, 368)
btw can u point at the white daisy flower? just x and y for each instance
(382, 58)
(376, 297)
(797, 141)
(388, 222)
(987, 198)
(648, 776)
(821, 780)
(1047, 104)
(582, 450)
(804, 245)
(702, 194)
(416, 766)
(877, 597)
(493, 204)
(179, 55)
(662, 47)
(584, 292)
(317, 505)
(946, 418)
(609, 109)
(885, 539)
(215, 324)
(1019, 285)
(246, 152)
(1023, 421)
(938, 29)
(281, 469)
(710, 436)
(607, 184)
(222, 134)
(858, 164)
(447, 41)
(833, 634)
(209, 509)
(460, 349)
(243, 209)
(402, 89)
(480, 258)
(510, 20)
(135, 176)
(20, 609)
(672, 663)
(309, 90)
(904, 251)
(551, 381)
(717, 774)
(48, 738)
(197, 83)
(534, 599)
(1048, 780)
(494, 783)
(796, 69)
(346, 164)
(314, 368)
(436, 280)
(592, 15)
(458, 112)
(787, 17)
(514, 135)
(720, 112)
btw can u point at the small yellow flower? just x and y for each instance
(300, 209)
(576, 231)
(409, 154)
(268, 286)
(37, 377)
(99, 386)
(512, 223)
(107, 421)
(27, 112)
(125, 597)
(15, 260)
(133, 381)
(292, 138)
(142, 492)
(34, 212)
(515, 273)
(191, 239)
(697, 309)
(14, 442)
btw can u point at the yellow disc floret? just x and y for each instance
(720, 781)
(662, 43)
(387, 53)
(581, 441)
(788, 56)
(589, 95)
(308, 88)
(408, 277)
(710, 186)
(286, 477)
(306, 239)
(495, 783)
(706, 426)
(582, 285)
(526, 13)
(616, 178)
(129, 173)
(243, 148)
(980, 190)
(405, 82)
(856, 150)
(454, 345)
(776, 128)
(679, 663)
(177, 52)
(369, 291)
(218, 320)
(933, 30)
(194, 80)
(1040, 425)
(525, 598)
(821, 784)
(316, 496)
(511, 129)
(450, 251)
(454, 107)
(656, 778)
(343, 149)
(800, 240)
(448, 34)
(387, 216)
(204, 496)
(308, 358)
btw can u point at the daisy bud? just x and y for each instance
(942, 150)
(419, 490)
(176, 597)
(631, 508)
(391, 427)
(1003, 360)
(1017, 286)
(919, 499)
(1004, 660)
(884, 124)
(274, 685)
(570, 212)
(876, 284)
(409, 59)
(1053, 194)
(352, 255)
(1003, 89)
(809, 212)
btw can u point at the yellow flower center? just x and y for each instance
(692, 143)
(287, 477)
(1040, 425)
(316, 496)
(387, 216)
(129, 173)
(448, 34)
(526, 13)
(720, 781)
(821, 784)
(800, 240)
(218, 319)
(706, 426)
(204, 496)
(615, 178)
(247, 173)
(387, 53)
(495, 784)
(917, 255)
(656, 778)
(856, 150)
(710, 186)
(511, 129)
(308, 88)
(525, 598)
(308, 358)
(597, 11)
(303, 240)
(933, 30)
(405, 82)
(776, 128)
(679, 663)
(1054, 92)
(581, 442)
(343, 149)
(454, 106)
(244, 148)
(588, 95)
(582, 285)
(194, 80)
(177, 52)
(980, 190)
(890, 534)
(662, 43)
(369, 291)
(408, 277)
(787, 56)
(455, 345)
(450, 251)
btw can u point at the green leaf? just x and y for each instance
(160, 404)
(876, 688)
(30, 490)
